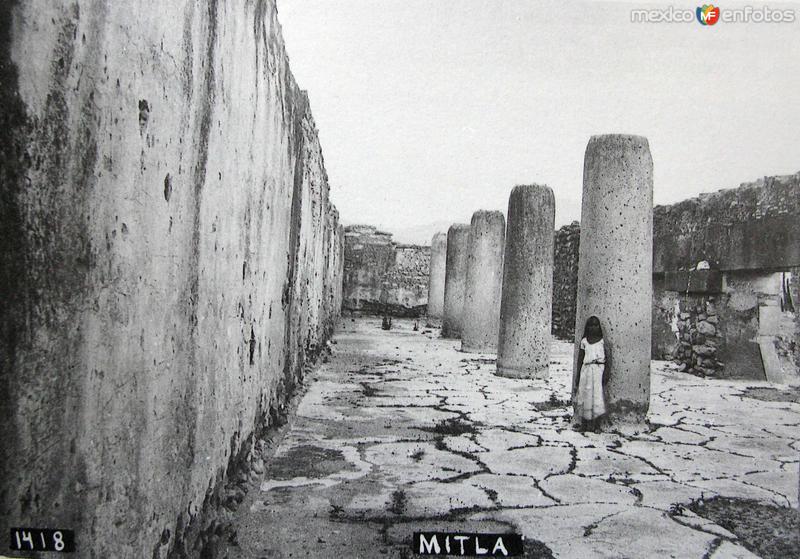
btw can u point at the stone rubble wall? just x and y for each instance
(698, 337)
(383, 277)
(724, 341)
(171, 261)
(565, 280)
(794, 293)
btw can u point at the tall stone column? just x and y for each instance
(455, 277)
(615, 267)
(484, 282)
(527, 302)
(436, 278)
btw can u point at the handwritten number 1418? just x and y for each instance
(36, 539)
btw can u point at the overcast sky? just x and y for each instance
(428, 110)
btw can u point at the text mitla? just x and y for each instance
(459, 543)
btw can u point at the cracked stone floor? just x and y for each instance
(400, 432)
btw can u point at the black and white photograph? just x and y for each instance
(366, 279)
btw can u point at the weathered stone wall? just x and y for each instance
(753, 227)
(436, 278)
(565, 280)
(368, 256)
(717, 332)
(383, 277)
(406, 283)
(338, 269)
(694, 333)
(794, 295)
(748, 237)
(709, 320)
(170, 260)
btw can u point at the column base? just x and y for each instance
(468, 348)
(508, 371)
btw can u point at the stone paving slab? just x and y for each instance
(399, 431)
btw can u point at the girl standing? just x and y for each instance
(593, 372)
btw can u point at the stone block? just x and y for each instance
(706, 329)
(693, 281)
(704, 350)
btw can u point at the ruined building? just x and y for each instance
(725, 274)
(725, 279)
(725, 283)
(171, 261)
(383, 277)
(565, 279)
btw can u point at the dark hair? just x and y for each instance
(586, 326)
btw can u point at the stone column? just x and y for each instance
(455, 277)
(484, 282)
(436, 278)
(615, 266)
(527, 302)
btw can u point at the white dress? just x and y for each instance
(589, 399)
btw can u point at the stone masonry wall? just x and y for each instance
(565, 280)
(406, 283)
(699, 337)
(383, 277)
(368, 256)
(170, 261)
(794, 294)
(753, 227)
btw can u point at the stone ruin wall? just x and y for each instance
(368, 256)
(171, 261)
(383, 277)
(712, 321)
(565, 280)
(406, 283)
(724, 321)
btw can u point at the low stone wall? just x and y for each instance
(381, 277)
(697, 335)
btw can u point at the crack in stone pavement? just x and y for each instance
(399, 432)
